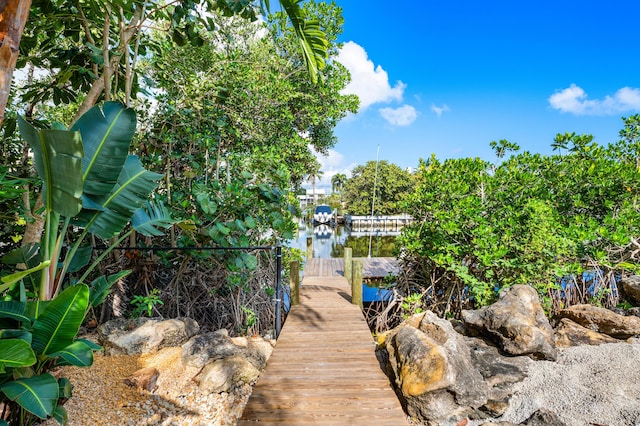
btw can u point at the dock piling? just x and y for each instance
(356, 283)
(294, 282)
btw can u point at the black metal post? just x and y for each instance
(278, 289)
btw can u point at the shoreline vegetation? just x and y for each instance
(196, 134)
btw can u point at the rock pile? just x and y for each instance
(204, 378)
(452, 373)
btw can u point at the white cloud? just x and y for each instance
(575, 100)
(402, 116)
(369, 82)
(330, 165)
(439, 110)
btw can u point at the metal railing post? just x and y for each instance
(278, 289)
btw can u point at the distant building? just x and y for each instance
(311, 197)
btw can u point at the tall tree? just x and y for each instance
(242, 106)
(13, 17)
(92, 48)
(392, 184)
(337, 182)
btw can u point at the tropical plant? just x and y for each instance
(90, 185)
(35, 337)
(92, 48)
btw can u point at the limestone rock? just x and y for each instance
(516, 322)
(630, 289)
(433, 369)
(603, 321)
(255, 349)
(207, 347)
(124, 337)
(500, 372)
(544, 417)
(569, 333)
(226, 374)
(143, 379)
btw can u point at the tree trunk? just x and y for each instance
(35, 221)
(13, 16)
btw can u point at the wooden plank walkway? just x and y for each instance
(373, 269)
(323, 369)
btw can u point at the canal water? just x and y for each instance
(329, 242)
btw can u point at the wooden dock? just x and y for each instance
(324, 369)
(374, 269)
(378, 223)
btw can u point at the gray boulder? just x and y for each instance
(602, 320)
(445, 377)
(630, 289)
(127, 337)
(500, 373)
(569, 333)
(516, 322)
(224, 375)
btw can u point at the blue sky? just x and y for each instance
(449, 77)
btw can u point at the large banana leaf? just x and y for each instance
(147, 219)
(58, 158)
(101, 287)
(14, 310)
(15, 353)
(106, 135)
(313, 40)
(134, 186)
(78, 353)
(9, 280)
(28, 255)
(58, 324)
(37, 394)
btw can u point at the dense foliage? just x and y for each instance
(567, 224)
(390, 182)
(233, 113)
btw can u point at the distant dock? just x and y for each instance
(378, 223)
(374, 269)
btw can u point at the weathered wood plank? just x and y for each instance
(324, 368)
(374, 268)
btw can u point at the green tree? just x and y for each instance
(392, 184)
(564, 224)
(231, 134)
(98, 44)
(337, 182)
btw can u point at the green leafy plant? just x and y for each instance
(566, 224)
(91, 184)
(145, 304)
(251, 318)
(411, 304)
(35, 337)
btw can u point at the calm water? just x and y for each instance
(330, 242)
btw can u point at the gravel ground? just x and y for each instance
(588, 385)
(100, 396)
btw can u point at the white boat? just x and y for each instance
(323, 215)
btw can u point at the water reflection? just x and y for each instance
(329, 242)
